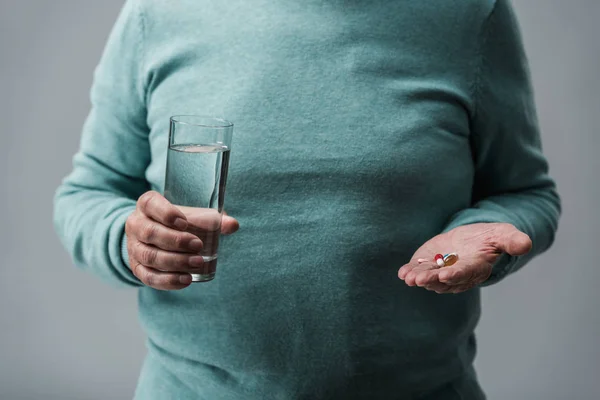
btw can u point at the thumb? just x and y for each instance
(229, 224)
(509, 239)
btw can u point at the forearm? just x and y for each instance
(90, 224)
(94, 200)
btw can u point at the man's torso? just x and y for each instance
(351, 148)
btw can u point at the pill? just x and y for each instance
(450, 259)
(439, 260)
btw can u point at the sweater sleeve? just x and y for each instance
(511, 182)
(93, 202)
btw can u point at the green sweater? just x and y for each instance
(363, 129)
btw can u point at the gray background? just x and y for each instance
(64, 335)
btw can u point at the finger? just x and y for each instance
(155, 206)
(229, 224)
(469, 274)
(161, 280)
(154, 257)
(156, 234)
(412, 275)
(412, 264)
(404, 270)
(427, 277)
(509, 239)
(457, 274)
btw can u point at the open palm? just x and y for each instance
(478, 247)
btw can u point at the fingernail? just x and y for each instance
(185, 279)
(196, 261)
(180, 224)
(196, 245)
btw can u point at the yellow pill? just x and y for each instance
(450, 259)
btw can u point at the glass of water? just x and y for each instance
(197, 163)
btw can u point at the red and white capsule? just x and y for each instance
(439, 260)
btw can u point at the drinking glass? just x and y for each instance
(197, 164)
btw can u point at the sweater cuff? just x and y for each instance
(505, 262)
(126, 271)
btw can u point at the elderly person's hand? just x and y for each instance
(162, 253)
(478, 247)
